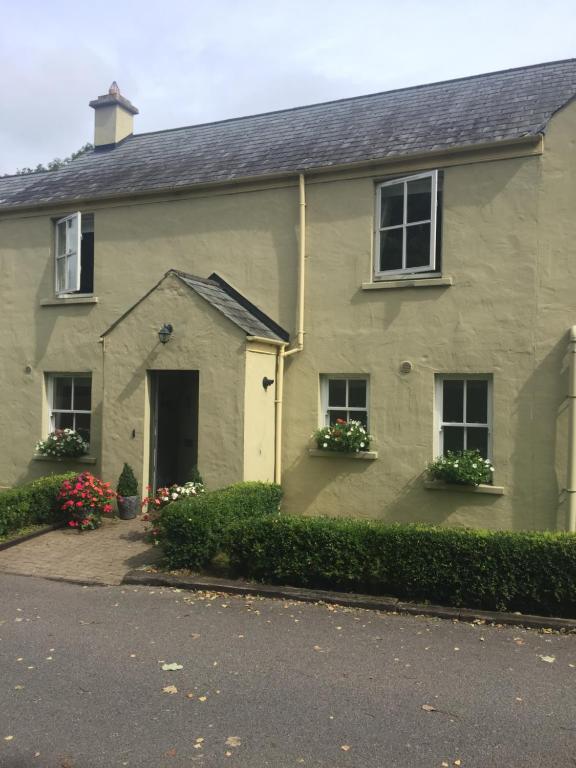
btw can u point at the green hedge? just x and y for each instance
(491, 570)
(31, 504)
(192, 531)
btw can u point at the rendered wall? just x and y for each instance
(508, 244)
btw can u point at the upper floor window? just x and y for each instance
(464, 408)
(408, 225)
(344, 397)
(74, 254)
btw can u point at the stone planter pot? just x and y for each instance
(128, 507)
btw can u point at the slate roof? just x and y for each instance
(500, 106)
(223, 297)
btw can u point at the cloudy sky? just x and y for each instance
(187, 61)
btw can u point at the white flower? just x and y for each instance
(361, 445)
(174, 496)
(474, 466)
(325, 445)
(491, 469)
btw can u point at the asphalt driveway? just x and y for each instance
(269, 683)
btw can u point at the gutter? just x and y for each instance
(571, 479)
(282, 351)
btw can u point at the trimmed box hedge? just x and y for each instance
(192, 531)
(31, 504)
(528, 572)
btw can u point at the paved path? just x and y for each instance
(101, 557)
(270, 683)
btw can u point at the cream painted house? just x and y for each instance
(210, 295)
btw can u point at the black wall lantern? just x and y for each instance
(165, 332)
(266, 382)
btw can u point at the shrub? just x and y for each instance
(483, 569)
(461, 468)
(31, 504)
(192, 531)
(83, 500)
(343, 436)
(62, 442)
(127, 483)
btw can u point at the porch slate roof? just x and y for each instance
(228, 301)
(510, 105)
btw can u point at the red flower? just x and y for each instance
(79, 504)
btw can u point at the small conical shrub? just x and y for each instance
(127, 483)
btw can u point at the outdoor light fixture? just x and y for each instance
(165, 332)
(266, 382)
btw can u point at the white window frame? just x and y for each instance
(50, 377)
(404, 270)
(324, 391)
(440, 424)
(71, 255)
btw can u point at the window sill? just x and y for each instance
(435, 485)
(362, 455)
(413, 282)
(66, 459)
(57, 302)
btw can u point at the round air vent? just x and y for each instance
(406, 366)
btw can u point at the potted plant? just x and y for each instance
(343, 437)
(461, 468)
(62, 442)
(127, 490)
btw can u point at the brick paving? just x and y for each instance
(99, 557)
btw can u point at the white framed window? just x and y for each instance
(344, 396)
(70, 402)
(407, 225)
(74, 254)
(464, 413)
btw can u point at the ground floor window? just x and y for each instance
(464, 413)
(70, 402)
(344, 397)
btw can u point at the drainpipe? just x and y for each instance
(571, 489)
(282, 351)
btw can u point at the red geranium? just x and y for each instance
(84, 501)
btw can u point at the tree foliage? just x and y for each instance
(55, 164)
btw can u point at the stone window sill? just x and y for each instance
(402, 282)
(434, 485)
(66, 459)
(58, 302)
(362, 455)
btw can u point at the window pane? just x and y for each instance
(478, 438)
(63, 421)
(357, 393)
(392, 205)
(62, 393)
(391, 249)
(453, 439)
(61, 238)
(83, 425)
(333, 415)
(82, 394)
(453, 400)
(477, 401)
(61, 274)
(336, 392)
(87, 222)
(361, 416)
(419, 200)
(87, 262)
(418, 245)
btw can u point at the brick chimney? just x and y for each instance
(113, 118)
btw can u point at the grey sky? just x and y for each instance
(187, 61)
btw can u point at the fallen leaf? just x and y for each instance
(199, 740)
(170, 753)
(194, 635)
(345, 747)
(428, 708)
(548, 659)
(18, 687)
(457, 762)
(170, 689)
(202, 698)
(172, 667)
(228, 754)
(189, 695)
(233, 741)
(8, 738)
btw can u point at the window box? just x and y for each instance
(436, 485)
(361, 455)
(66, 459)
